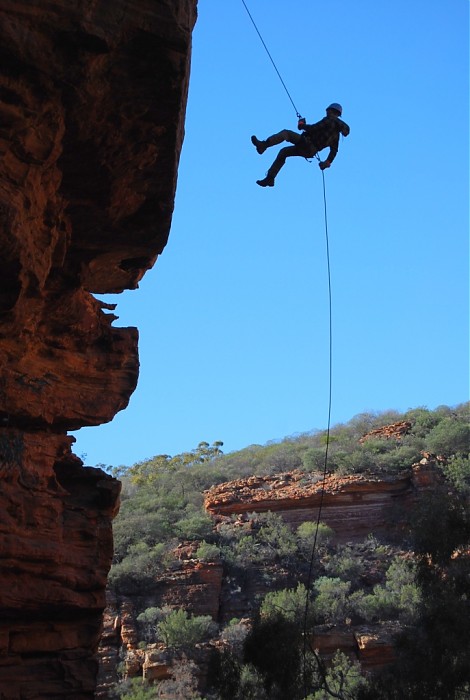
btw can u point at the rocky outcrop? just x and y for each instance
(194, 585)
(395, 431)
(353, 505)
(372, 646)
(92, 105)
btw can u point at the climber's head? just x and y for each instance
(334, 109)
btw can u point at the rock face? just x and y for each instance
(195, 586)
(92, 106)
(394, 431)
(352, 505)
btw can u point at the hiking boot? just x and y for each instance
(261, 146)
(267, 182)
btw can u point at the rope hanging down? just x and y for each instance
(325, 465)
(320, 664)
(271, 58)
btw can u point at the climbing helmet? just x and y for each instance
(336, 106)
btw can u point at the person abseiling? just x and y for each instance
(315, 137)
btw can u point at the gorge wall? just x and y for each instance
(92, 107)
(354, 506)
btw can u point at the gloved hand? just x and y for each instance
(301, 123)
(324, 164)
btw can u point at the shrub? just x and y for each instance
(251, 684)
(235, 634)
(331, 602)
(132, 528)
(306, 536)
(224, 674)
(183, 682)
(289, 603)
(277, 537)
(358, 461)
(207, 551)
(245, 552)
(346, 564)
(313, 459)
(373, 607)
(149, 619)
(399, 458)
(196, 526)
(134, 689)
(139, 569)
(179, 630)
(398, 597)
(267, 540)
(343, 679)
(458, 472)
(423, 420)
(449, 437)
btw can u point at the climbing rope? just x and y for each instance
(325, 464)
(270, 58)
(319, 662)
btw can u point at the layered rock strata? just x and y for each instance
(353, 505)
(92, 106)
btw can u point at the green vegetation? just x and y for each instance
(264, 539)
(135, 689)
(419, 579)
(175, 628)
(343, 679)
(178, 630)
(181, 686)
(269, 666)
(399, 597)
(287, 603)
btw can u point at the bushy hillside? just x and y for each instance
(417, 584)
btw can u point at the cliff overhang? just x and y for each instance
(92, 107)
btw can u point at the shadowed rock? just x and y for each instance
(92, 106)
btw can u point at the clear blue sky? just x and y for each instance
(233, 318)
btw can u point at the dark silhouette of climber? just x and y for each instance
(315, 137)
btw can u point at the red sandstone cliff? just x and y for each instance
(353, 505)
(92, 105)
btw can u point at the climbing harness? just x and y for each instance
(318, 660)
